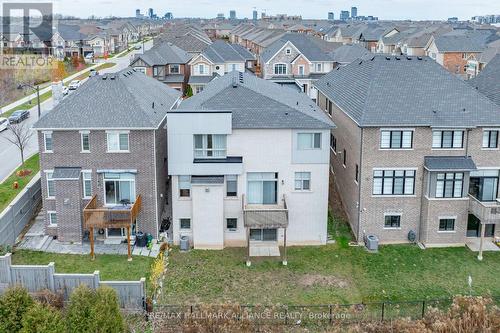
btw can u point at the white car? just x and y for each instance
(4, 122)
(74, 85)
(65, 91)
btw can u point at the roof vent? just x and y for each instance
(153, 106)
(419, 58)
(409, 58)
(387, 58)
(297, 102)
(112, 77)
(104, 77)
(398, 58)
(328, 84)
(134, 70)
(360, 62)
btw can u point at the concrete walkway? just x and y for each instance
(488, 245)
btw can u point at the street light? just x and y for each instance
(35, 88)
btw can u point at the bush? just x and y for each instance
(189, 91)
(47, 297)
(108, 317)
(42, 319)
(14, 303)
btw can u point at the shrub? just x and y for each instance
(108, 317)
(14, 303)
(42, 319)
(189, 91)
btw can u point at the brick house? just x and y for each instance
(413, 159)
(106, 142)
(165, 62)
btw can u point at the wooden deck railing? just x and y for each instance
(487, 212)
(110, 217)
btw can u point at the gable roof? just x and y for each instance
(70, 32)
(221, 52)
(411, 91)
(258, 103)
(461, 41)
(311, 47)
(162, 54)
(130, 100)
(487, 81)
(348, 53)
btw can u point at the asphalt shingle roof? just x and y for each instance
(488, 80)
(458, 163)
(348, 53)
(474, 41)
(163, 54)
(221, 52)
(307, 45)
(130, 100)
(258, 103)
(384, 91)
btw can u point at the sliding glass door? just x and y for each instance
(119, 188)
(262, 188)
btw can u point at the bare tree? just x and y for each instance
(21, 135)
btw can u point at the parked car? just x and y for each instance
(19, 116)
(65, 91)
(74, 85)
(4, 123)
(93, 72)
(138, 47)
(89, 56)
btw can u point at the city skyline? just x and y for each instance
(310, 9)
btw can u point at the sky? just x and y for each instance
(384, 9)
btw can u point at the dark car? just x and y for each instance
(19, 116)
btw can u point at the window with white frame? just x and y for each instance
(201, 69)
(231, 185)
(390, 139)
(447, 139)
(184, 186)
(449, 185)
(174, 68)
(280, 69)
(392, 221)
(490, 139)
(394, 182)
(185, 224)
(47, 139)
(288, 50)
(318, 67)
(118, 141)
(198, 89)
(301, 70)
(51, 192)
(308, 141)
(232, 224)
(302, 181)
(119, 188)
(85, 141)
(87, 184)
(262, 188)
(447, 224)
(210, 145)
(155, 71)
(52, 218)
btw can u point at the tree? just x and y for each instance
(14, 304)
(42, 319)
(21, 135)
(189, 91)
(107, 311)
(80, 315)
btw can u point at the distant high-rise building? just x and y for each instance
(232, 15)
(220, 16)
(344, 15)
(255, 15)
(331, 16)
(169, 16)
(151, 13)
(354, 12)
(453, 19)
(138, 13)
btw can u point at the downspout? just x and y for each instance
(359, 181)
(421, 219)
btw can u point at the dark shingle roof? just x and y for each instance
(309, 46)
(130, 100)
(163, 54)
(384, 91)
(348, 53)
(474, 41)
(456, 163)
(488, 80)
(258, 103)
(220, 52)
(66, 173)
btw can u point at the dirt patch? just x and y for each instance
(310, 280)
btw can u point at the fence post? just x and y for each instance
(383, 310)
(423, 309)
(6, 266)
(143, 288)
(97, 279)
(50, 272)
(330, 310)
(13, 221)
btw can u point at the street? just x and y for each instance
(10, 157)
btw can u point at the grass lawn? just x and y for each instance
(110, 267)
(28, 105)
(7, 193)
(335, 273)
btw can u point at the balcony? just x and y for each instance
(487, 212)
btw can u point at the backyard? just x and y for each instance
(335, 273)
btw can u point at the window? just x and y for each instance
(490, 139)
(301, 70)
(330, 107)
(302, 181)
(184, 186)
(318, 67)
(288, 51)
(447, 224)
(174, 69)
(464, 55)
(344, 162)
(47, 139)
(185, 224)
(231, 185)
(155, 71)
(447, 139)
(266, 235)
(201, 69)
(449, 185)
(119, 188)
(392, 221)
(52, 218)
(356, 175)
(51, 192)
(233, 67)
(309, 141)
(333, 143)
(280, 69)
(118, 141)
(396, 139)
(210, 145)
(85, 141)
(199, 89)
(87, 184)
(232, 224)
(394, 182)
(262, 188)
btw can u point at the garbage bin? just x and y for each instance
(184, 243)
(140, 239)
(372, 243)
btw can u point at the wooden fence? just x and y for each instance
(132, 294)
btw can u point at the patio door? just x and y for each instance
(262, 188)
(119, 189)
(264, 235)
(474, 228)
(120, 232)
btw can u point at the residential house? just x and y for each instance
(296, 60)
(166, 63)
(248, 162)
(103, 157)
(348, 53)
(477, 64)
(487, 81)
(216, 60)
(255, 39)
(187, 37)
(68, 42)
(413, 160)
